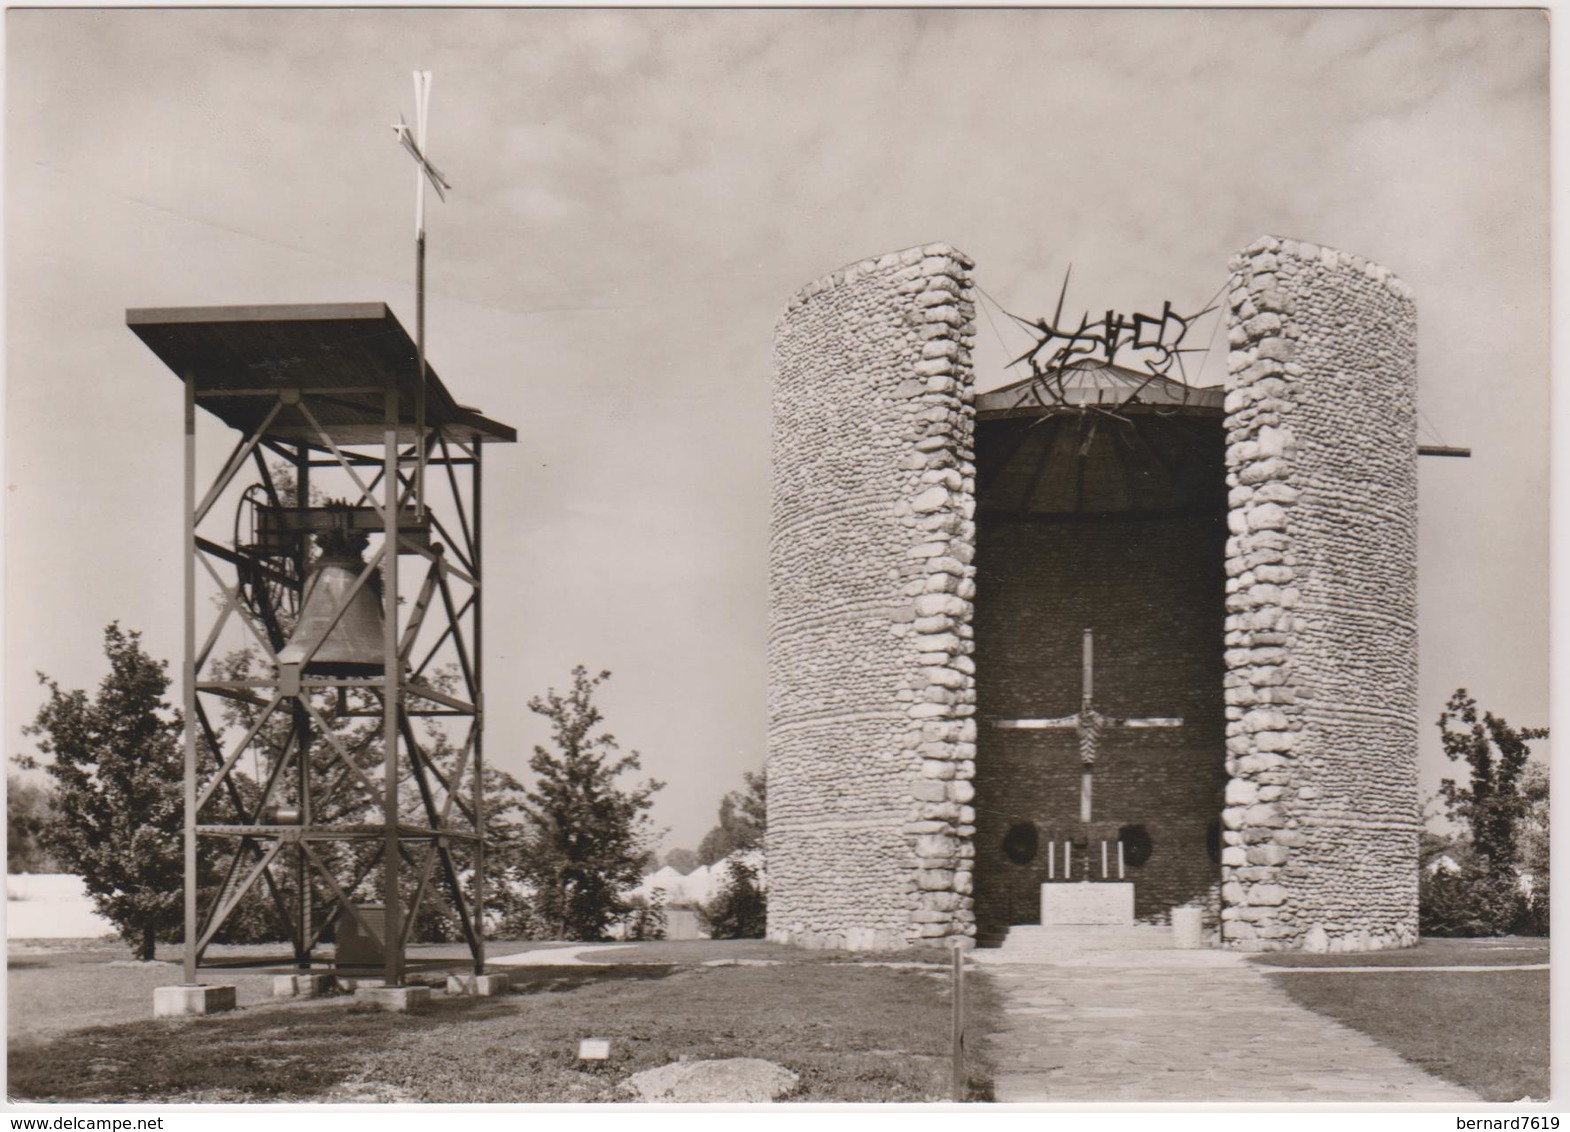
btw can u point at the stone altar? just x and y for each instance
(1088, 902)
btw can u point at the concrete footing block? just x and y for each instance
(313, 986)
(481, 986)
(400, 1000)
(183, 999)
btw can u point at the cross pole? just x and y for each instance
(1088, 722)
(414, 142)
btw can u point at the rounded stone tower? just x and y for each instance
(871, 735)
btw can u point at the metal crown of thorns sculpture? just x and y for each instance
(1106, 420)
(1061, 354)
(334, 753)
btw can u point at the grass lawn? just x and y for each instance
(1487, 1031)
(56, 986)
(852, 1032)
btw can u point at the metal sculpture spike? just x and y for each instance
(1157, 338)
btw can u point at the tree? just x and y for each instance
(118, 769)
(256, 919)
(588, 837)
(29, 808)
(645, 917)
(1493, 804)
(1497, 807)
(682, 860)
(505, 913)
(743, 817)
(1534, 844)
(437, 920)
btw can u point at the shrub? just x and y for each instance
(525, 922)
(739, 910)
(1472, 901)
(645, 917)
(1535, 920)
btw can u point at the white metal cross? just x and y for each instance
(1088, 722)
(424, 171)
(414, 142)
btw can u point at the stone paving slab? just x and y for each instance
(1101, 1027)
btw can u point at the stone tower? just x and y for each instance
(1246, 558)
(872, 739)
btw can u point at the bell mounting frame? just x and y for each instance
(331, 391)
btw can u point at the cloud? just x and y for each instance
(638, 193)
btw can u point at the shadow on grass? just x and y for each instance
(556, 980)
(265, 1055)
(99, 958)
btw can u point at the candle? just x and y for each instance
(1120, 860)
(1052, 860)
(1068, 860)
(1103, 860)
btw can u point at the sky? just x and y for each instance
(636, 196)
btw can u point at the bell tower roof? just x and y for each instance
(348, 352)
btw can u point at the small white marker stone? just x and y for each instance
(594, 1049)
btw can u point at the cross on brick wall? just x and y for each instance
(1088, 722)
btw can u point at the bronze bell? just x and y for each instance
(353, 646)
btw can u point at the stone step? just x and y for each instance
(987, 936)
(1038, 939)
(1160, 958)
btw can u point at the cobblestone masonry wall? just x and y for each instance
(872, 699)
(1321, 686)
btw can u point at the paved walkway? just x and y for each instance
(1183, 1026)
(555, 956)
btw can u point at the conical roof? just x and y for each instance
(1099, 439)
(1091, 382)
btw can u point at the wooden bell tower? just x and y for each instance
(334, 704)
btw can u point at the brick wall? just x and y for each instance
(1152, 589)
